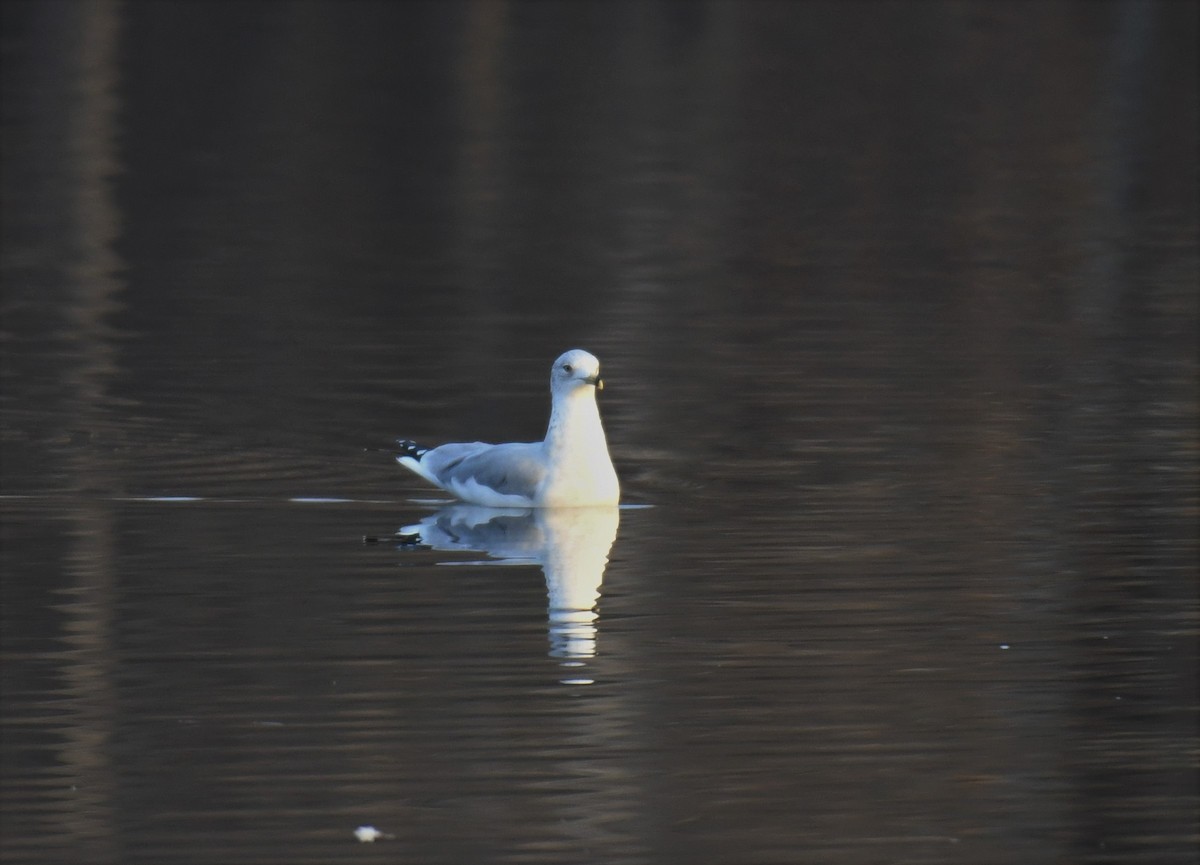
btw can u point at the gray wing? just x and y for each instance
(509, 469)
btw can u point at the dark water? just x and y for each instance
(897, 305)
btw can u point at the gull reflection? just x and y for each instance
(570, 544)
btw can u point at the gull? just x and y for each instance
(570, 468)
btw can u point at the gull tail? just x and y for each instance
(410, 457)
(410, 449)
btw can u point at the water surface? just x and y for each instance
(897, 310)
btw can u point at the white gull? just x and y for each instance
(570, 468)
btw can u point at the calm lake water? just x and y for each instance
(897, 306)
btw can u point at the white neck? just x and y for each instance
(581, 470)
(575, 424)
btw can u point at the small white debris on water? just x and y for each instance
(1004, 645)
(369, 834)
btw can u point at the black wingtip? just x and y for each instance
(410, 449)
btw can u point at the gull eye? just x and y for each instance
(567, 368)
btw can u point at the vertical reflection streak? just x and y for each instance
(88, 674)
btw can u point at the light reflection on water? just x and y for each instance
(570, 544)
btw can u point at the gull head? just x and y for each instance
(573, 370)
